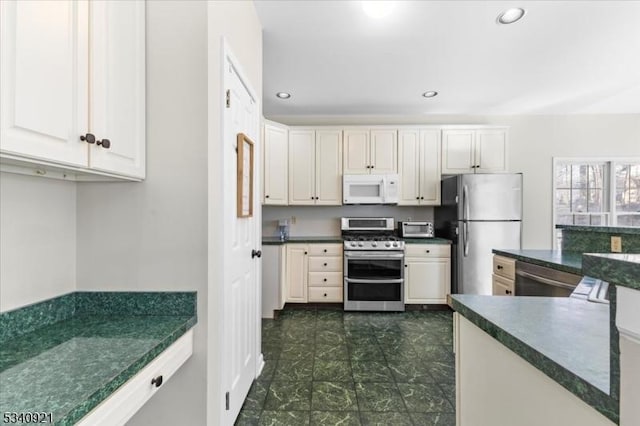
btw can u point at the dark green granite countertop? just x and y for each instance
(606, 229)
(68, 366)
(617, 268)
(567, 339)
(268, 241)
(567, 261)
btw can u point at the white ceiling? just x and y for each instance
(563, 57)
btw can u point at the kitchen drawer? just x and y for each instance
(325, 249)
(427, 250)
(325, 279)
(118, 408)
(325, 264)
(504, 266)
(325, 294)
(503, 286)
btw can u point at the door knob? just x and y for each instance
(106, 143)
(256, 253)
(88, 138)
(157, 381)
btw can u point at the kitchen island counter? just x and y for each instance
(562, 260)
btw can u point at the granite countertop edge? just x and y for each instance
(110, 387)
(623, 270)
(578, 386)
(538, 261)
(603, 229)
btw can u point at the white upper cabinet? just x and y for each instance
(419, 167)
(370, 151)
(275, 165)
(302, 167)
(44, 80)
(51, 98)
(117, 82)
(474, 151)
(315, 167)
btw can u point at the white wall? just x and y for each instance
(38, 239)
(238, 22)
(152, 235)
(533, 141)
(325, 220)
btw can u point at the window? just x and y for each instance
(596, 192)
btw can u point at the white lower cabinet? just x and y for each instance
(314, 273)
(118, 408)
(427, 273)
(297, 273)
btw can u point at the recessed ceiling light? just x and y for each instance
(283, 95)
(377, 9)
(430, 94)
(510, 16)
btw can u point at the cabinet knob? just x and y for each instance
(325, 295)
(325, 250)
(373, 167)
(405, 266)
(157, 381)
(325, 280)
(428, 251)
(417, 198)
(305, 252)
(256, 253)
(499, 267)
(88, 138)
(422, 198)
(106, 143)
(325, 264)
(266, 196)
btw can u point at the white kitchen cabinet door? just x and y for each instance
(430, 175)
(117, 87)
(427, 280)
(458, 151)
(491, 151)
(384, 151)
(328, 167)
(356, 152)
(276, 188)
(297, 273)
(302, 167)
(409, 167)
(44, 80)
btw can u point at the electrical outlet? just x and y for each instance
(616, 244)
(293, 220)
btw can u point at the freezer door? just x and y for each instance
(474, 257)
(490, 197)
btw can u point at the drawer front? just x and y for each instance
(504, 266)
(327, 294)
(427, 250)
(325, 249)
(325, 279)
(325, 264)
(503, 286)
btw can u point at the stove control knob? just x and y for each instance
(395, 244)
(374, 244)
(353, 244)
(360, 245)
(387, 244)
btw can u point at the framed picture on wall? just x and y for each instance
(245, 176)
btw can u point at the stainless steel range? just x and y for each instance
(373, 265)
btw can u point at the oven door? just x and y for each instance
(374, 281)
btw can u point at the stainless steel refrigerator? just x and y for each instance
(479, 212)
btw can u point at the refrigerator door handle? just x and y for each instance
(465, 202)
(465, 238)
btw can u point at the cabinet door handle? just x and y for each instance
(405, 266)
(157, 381)
(499, 267)
(428, 251)
(372, 167)
(305, 252)
(325, 280)
(422, 198)
(106, 143)
(325, 250)
(88, 138)
(256, 253)
(266, 196)
(325, 295)
(417, 198)
(325, 264)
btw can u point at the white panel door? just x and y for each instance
(241, 313)
(302, 167)
(430, 175)
(384, 151)
(297, 273)
(427, 280)
(328, 167)
(276, 170)
(44, 86)
(356, 152)
(457, 151)
(491, 151)
(409, 167)
(118, 86)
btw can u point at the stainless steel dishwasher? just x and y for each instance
(534, 280)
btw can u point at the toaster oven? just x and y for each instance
(416, 229)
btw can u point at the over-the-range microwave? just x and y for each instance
(370, 189)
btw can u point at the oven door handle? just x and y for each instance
(357, 281)
(543, 280)
(365, 255)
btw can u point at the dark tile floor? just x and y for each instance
(334, 368)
